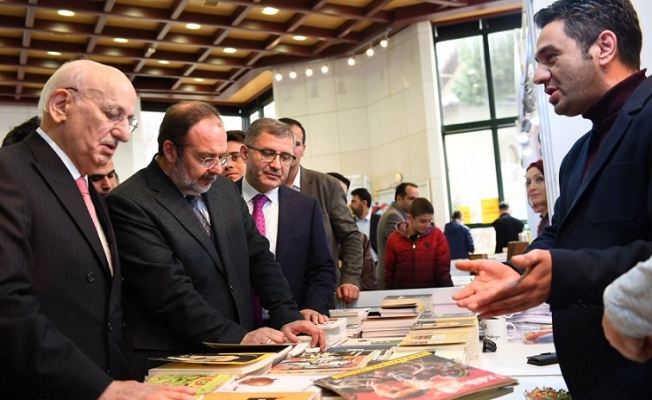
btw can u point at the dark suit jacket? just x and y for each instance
(60, 316)
(341, 230)
(180, 287)
(373, 231)
(601, 228)
(302, 250)
(507, 230)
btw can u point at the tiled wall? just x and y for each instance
(376, 118)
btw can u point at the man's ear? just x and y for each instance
(57, 105)
(170, 151)
(244, 152)
(607, 43)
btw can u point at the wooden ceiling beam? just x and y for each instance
(240, 14)
(448, 3)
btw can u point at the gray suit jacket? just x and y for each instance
(387, 224)
(180, 287)
(60, 315)
(341, 230)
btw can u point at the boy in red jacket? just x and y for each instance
(417, 254)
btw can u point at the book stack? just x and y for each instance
(334, 331)
(374, 326)
(421, 376)
(453, 335)
(353, 315)
(423, 302)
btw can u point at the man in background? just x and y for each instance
(404, 195)
(507, 227)
(338, 221)
(459, 237)
(191, 250)
(104, 179)
(237, 166)
(18, 133)
(60, 277)
(366, 220)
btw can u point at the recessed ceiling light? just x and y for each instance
(199, 79)
(192, 26)
(229, 50)
(66, 13)
(299, 38)
(120, 40)
(164, 62)
(54, 53)
(270, 11)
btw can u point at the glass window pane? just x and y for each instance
(513, 173)
(462, 80)
(254, 116)
(270, 110)
(471, 171)
(232, 122)
(505, 83)
(149, 124)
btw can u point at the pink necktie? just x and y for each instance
(259, 201)
(83, 188)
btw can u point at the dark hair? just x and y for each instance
(363, 194)
(538, 165)
(235, 136)
(456, 215)
(503, 206)
(179, 118)
(18, 133)
(401, 190)
(584, 21)
(421, 206)
(270, 125)
(292, 122)
(341, 178)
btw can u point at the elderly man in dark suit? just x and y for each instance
(191, 251)
(338, 221)
(292, 220)
(60, 315)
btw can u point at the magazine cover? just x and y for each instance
(325, 362)
(421, 376)
(203, 383)
(219, 358)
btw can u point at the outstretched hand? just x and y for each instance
(497, 289)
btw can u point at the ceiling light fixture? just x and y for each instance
(278, 77)
(299, 38)
(66, 13)
(164, 62)
(384, 42)
(324, 69)
(230, 50)
(351, 61)
(308, 71)
(370, 51)
(120, 40)
(54, 53)
(270, 11)
(192, 26)
(199, 79)
(293, 74)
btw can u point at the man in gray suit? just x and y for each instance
(397, 212)
(60, 278)
(341, 230)
(191, 251)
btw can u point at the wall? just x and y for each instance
(378, 118)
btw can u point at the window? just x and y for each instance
(479, 106)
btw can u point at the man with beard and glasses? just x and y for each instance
(191, 252)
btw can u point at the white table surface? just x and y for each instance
(511, 359)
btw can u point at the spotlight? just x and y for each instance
(351, 61)
(527, 152)
(324, 69)
(308, 71)
(293, 74)
(278, 77)
(370, 51)
(384, 42)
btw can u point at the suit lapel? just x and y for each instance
(169, 196)
(58, 179)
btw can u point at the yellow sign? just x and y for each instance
(489, 210)
(466, 214)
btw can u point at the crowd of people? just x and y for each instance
(226, 237)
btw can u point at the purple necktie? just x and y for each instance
(259, 201)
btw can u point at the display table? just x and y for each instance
(511, 359)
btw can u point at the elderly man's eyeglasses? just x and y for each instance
(270, 155)
(112, 113)
(209, 162)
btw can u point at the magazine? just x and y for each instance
(203, 383)
(325, 362)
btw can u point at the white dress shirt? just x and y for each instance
(270, 211)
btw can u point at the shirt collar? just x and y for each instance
(62, 155)
(248, 192)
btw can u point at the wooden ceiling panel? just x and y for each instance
(156, 32)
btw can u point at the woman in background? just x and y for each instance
(535, 184)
